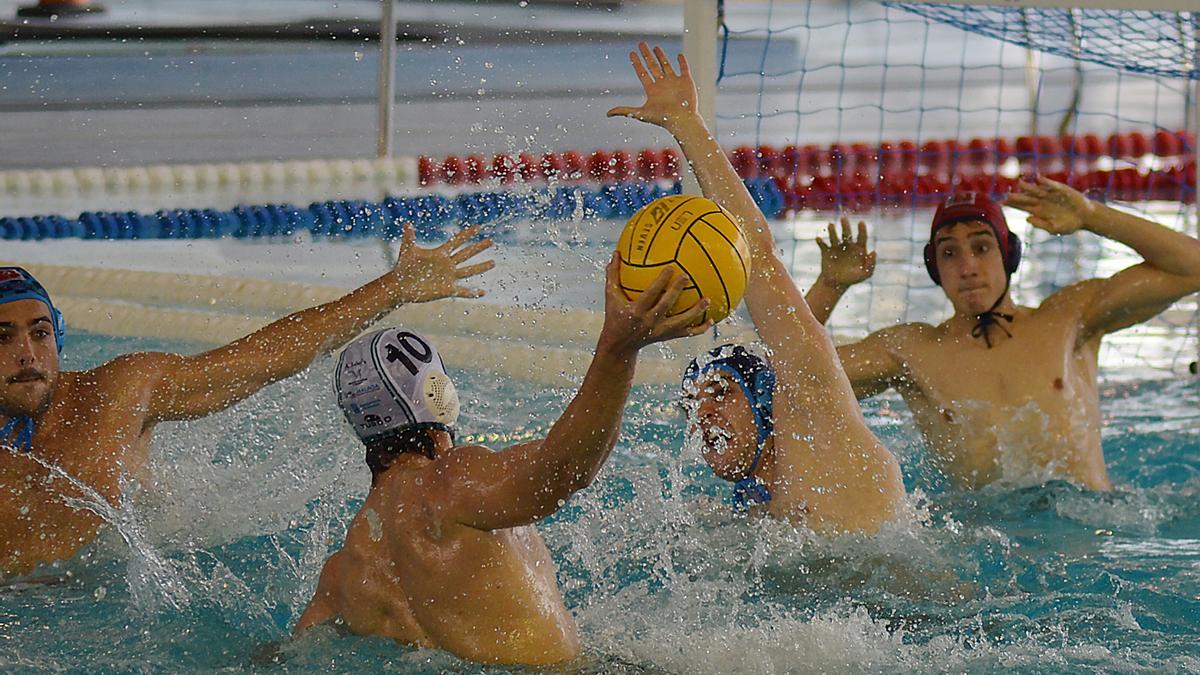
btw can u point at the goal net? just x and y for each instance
(879, 110)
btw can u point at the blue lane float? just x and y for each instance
(432, 215)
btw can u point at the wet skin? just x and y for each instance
(94, 427)
(720, 414)
(1028, 409)
(407, 573)
(444, 553)
(93, 419)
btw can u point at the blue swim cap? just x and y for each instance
(18, 284)
(757, 381)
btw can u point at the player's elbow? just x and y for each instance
(576, 480)
(1191, 283)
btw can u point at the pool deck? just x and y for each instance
(301, 20)
(488, 77)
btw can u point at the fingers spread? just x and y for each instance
(862, 233)
(639, 68)
(464, 292)
(688, 318)
(684, 68)
(652, 63)
(461, 236)
(663, 62)
(1051, 184)
(1032, 190)
(623, 111)
(472, 270)
(833, 236)
(650, 297)
(670, 296)
(822, 245)
(1020, 202)
(468, 252)
(846, 230)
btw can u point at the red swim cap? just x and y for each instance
(967, 206)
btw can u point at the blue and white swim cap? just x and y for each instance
(18, 284)
(754, 375)
(392, 380)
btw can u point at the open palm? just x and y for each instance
(433, 273)
(845, 261)
(1052, 206)
(669, 96)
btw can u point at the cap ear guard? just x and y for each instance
(441, 398)
(60, 327)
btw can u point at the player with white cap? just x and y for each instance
(443, 552)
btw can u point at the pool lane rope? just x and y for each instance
(433, 215)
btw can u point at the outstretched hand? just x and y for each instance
(669, 96)
(845, 261)
(630, 325)
(425, 274)
(1052, 206)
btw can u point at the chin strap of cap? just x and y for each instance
(17, 432)
(749, 491)
(985, 320)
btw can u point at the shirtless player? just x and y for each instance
(1000, 390)
(95, 426)
(444, 553)
(788, 432)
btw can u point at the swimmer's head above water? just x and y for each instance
(393, 389)
(31, 338)
(972, 255)
(728, 393)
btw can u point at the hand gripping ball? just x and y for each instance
(697, 238)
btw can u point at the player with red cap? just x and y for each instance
(967, 207)
(1019, 403)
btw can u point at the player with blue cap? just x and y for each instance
(787, 429)
(43, 326)
(63, 433)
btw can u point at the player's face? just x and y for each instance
(721, 416)
(972, 268)
(28, 357)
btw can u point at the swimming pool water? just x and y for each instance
(210, 566)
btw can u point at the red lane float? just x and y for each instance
(866, 175)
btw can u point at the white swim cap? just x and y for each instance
(393, 379)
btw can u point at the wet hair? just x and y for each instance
(383, 450)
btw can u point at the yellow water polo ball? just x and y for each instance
(697, 238)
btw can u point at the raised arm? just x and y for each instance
(528, 482)
(184, 387)
(1169, 271)
(781, 316)
(845, 261)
